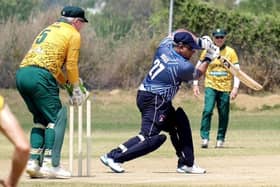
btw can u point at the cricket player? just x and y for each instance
(170, 67)
(220, 87)
(54, 51)
(10, 127)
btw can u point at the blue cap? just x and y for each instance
(185, 38)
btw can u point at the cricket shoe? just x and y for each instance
(54, 172)
(33, 169)
(59, 173)
(193, 170)
(204, 143)
(115, 167)
(220, 144)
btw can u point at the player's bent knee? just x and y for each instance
(155, 142)
(23, 149)
(148, 145)
(161, 138)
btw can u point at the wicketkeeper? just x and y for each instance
(52, 62)
(170, 67)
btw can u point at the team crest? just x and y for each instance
(162, 118)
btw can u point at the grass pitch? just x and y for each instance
(251, 157)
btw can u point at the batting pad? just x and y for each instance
(185, 141)
(59, 129)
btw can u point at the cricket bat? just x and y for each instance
(242, 76)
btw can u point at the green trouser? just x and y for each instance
(40, 92)
(222, 99)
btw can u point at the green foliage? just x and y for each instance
(105, 62)
(255, 38)
(16, 38)
(18, 9)
(118, 18)
(80, 3)
(227, 4)
(107, 24)
(260, 7)
(118, 43)
(159, 20)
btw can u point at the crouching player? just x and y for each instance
(54, 50)
(170, 67)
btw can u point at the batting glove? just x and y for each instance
(212, 53)
(205, 42)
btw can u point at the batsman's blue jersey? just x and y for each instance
(168, 71)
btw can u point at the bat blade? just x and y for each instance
(241, 75)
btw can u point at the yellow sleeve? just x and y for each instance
(54, 47)
(234, 57)
(60, 77)
(72, 67)
(1, 102)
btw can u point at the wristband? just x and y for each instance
(195, 82)
(207, 60)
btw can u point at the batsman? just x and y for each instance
(171, 66)
(51, 63)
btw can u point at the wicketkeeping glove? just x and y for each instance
(78, 97)
(69, 88)
(77, 94)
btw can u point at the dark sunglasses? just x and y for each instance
(81, 20)
(219, 37)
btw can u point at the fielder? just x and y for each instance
(38, 80)
(170, 67)
(10, 127)
(220, 87)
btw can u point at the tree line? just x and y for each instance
(118, 43)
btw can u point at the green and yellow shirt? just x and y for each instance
(216, 76)
(56, 45)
